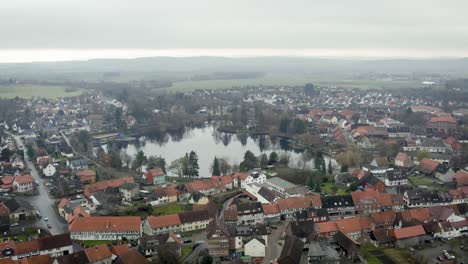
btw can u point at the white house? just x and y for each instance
(49, 170)
(23, 183)
(255, 176)
(255, 248)
(106, 228)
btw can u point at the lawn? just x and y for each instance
(186, 250)
(418, 180)
(397, 255)
(331, 189)
(29, 91)
(170, 209)
(91, 243)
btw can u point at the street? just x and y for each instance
(273, 250)
(42, 201)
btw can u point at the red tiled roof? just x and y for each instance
(63, 202)
(100, 186)
(270, 209)
(7, 179)
(401, 156)
(199, 185)
(461, 177)
(327, 227)
(420, 214)
(428, 165)
(383, 217)
(120, 249)
(293, 203)
(105, 223)
(98, 253)
(86, 175)
(240, 175)
(164, 221)
(151, 174)
(24, 179)
(408, 232)
(447, 119)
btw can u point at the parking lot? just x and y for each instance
(429, 253)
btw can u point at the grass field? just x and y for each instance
(29, 91)
(397, 255)
(287, 80)
(331, 189)
(170, 209)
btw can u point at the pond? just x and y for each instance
(207, 142)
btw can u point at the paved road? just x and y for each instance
(273, 250)
(42, 201)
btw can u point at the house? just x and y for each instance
(445, 123)
(150, 244)
(249, 213)
(461, 178)
(403, 160)
(23, 183)
(408, 236)
(254, 176)
(339, 206)
(449, 230)
(193, 220)
(425, 198)
(129, 191)
(99, 254)
(163, 195)
(106, 228)
(86, 176)
(280, 186)
(414, 216)
(226, 182)
(459, 195)
(255, 248)
(383, 219)
(319, 253)
(101, 186)
(381, 237)
(219, 240)
(206, 187)
(288, 206)
(292, 251)
(326, 229)
(16, 161)
(131, 256)
(20, 210)
(49, 170)
(53, 246)
(395, 177)
(349, 247)
(77, 163)
(198, 198)
(78, 257)
(154, 177)
(366, 202)
(154, 225)
(271, 213)
(428, 166)
(4, 218)
(303, 230)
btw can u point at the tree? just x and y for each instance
(330, 168)
(6, 154)
(178, 166)
(273, 159)
(156, 162)
(215, 168)
(224, 167)
(140, 158)
(319, 162)
(284, 125)
(166, 255)
(344, 168)
(299, 126)
(263, 160)
(206, 260)
(249, 163)
(309, 89)
(193, 164)
(126, 159)
(116, 161)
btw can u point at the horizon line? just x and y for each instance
(10, 56)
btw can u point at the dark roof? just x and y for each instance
(131, 257)
(382, 236)
(249, 208)
(267, 194)
(337, 201)
(395, 175)
(78, 257)
(302, 229)
(193, 216)
(16, 204)
(292, 251)
(56, 241)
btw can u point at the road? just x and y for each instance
(42, 201)
(273, 250)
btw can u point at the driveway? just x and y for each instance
(42, 201)
(430, 252)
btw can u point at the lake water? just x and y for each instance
(207, 142)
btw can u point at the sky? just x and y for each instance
(50, 30)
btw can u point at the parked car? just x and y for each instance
(49, 226)
(46, 219)
(186, 241)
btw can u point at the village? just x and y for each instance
(387, 181)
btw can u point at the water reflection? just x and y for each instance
(208, 143)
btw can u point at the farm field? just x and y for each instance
(29, 91)
(287, 80)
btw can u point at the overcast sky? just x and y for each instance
(419, 28)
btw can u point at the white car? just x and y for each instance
(45, 218)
